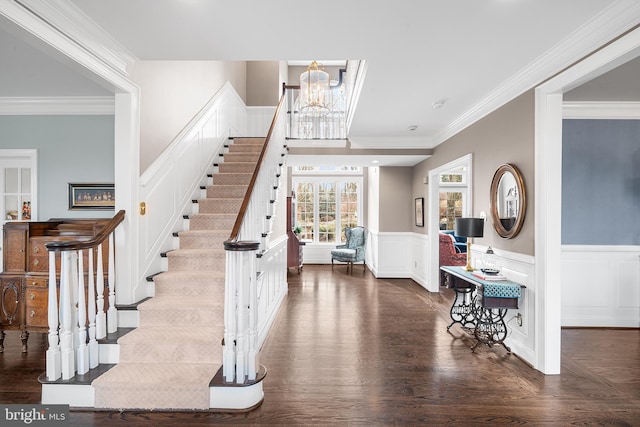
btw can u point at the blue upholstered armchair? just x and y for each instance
(353, 250)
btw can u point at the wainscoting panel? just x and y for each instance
(520, 269)
(259, 121)
(601, 286)
(173, 179)
(272, 286)
(395, 258)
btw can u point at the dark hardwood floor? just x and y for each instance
(353, 350)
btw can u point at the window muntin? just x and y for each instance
(327, 204)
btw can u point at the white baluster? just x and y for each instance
(112, 315)
(54, 365)
(73, 291)
(101, 318)
(94, 348)
(83, 350)
(66, 322)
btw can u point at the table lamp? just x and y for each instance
(469, 228)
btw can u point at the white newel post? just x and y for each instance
(54, 364)
(252, 356)
(112, 317)
(101, 318)
(94, 355)
(83, 350)
(228, 349)
(239, 352)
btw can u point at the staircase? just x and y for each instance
(169, 361)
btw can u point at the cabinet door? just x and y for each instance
(36, 298)
(15, 244)
(10, 301)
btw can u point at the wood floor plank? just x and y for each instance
(353, 350)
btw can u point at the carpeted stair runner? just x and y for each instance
(170, 359)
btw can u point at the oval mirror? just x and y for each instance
(508, 201)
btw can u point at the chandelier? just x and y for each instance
(314, 90)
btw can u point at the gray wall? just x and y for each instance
(70, 149)
(395, 212)
(601, 182)
(504, 136)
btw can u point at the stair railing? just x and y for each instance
(249, 238)
(77, 321)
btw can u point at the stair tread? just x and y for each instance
(196, 251)
(172, 335)
(187, 275)
(181, 303)
(170, 375)
(204, 232)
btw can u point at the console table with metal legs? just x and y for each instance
(480, 306)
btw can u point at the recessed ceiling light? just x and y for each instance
(412, 128)
(375, 162)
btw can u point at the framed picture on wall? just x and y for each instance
(91, 196)
(419, 209)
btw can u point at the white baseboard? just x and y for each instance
(74, 395)
(236, 398)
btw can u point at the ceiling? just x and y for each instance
(471, 55)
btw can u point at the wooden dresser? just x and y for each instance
(24, 281)
(294, 245)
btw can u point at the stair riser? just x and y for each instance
(241, 157)
(219, 205)
(231, 179)
(237, 167)
(226, 191)
(177, 352)
(171, 398)
(202, 242)
(195, 318)
(187, 263)
(248, 141)
(214, 222)
(245, 148)
(202, 290)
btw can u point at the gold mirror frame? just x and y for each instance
(521, 202)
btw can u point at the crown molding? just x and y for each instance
(77, 106)
(68, 20)
(364, 142)
(601, 110)
(84, 53)
(73, 22)
(613, 21)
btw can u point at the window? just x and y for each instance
(453, 196)
(327, 202)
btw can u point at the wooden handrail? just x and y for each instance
(247, 198)
(72, 245)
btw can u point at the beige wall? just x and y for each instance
(373, 199)
(395, 199)
(504, 136)
(263, 83)
(172, 92)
